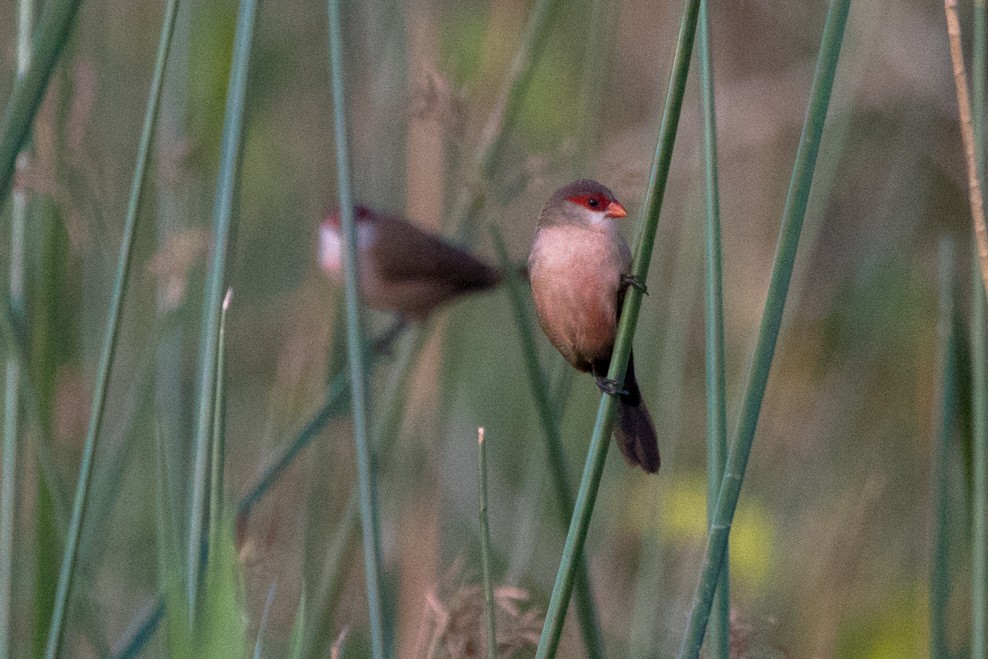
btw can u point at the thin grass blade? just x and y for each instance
(943, 426)
(979, 546)
(218, 439)
(262, 626)
(298, 631)
(792, 220)
(231, 148)
(356, 349)
(169, 559)
(719, 638)
(979, 471)
(50, 38)
(485, 547)
(8, 460)
(56, 631)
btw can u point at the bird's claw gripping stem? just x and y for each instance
(634, 281)
(610, 387)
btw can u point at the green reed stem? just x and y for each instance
(979, 540)
(217, 458)
(485, 547)
(262, 627)
(599, 441)
(792, 221)
(66, 577)
(586, 611)
(231, 147)
(50, 38)
(943, 425)
(719, 639)
(979, 501)
(355, 348)
(8, 460)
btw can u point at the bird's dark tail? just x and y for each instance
(635, 432)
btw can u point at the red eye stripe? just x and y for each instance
(594, 202)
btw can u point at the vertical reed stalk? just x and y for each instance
(768, 333)
(979, 467)
(943, 425)
(50, 38)
(355, 347)
(8, 460)
(262, 627)
(593, 470)
(231, 148)
(719, 638)
(979, 547)
(485, 547)
(56, 630)
(217, 458)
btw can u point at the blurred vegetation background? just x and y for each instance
(830, 551)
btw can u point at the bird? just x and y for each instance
(401, 267)
(579, 269)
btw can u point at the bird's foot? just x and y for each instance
(610, 387)
(635, 282)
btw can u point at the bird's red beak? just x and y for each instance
(615, 210)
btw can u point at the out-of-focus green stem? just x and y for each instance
(218, 439)
(943, 425)
(355, 348)
(792, 221)
(485, 547)
(719, 638)
(56, 630)
(8, 459)
(50, 38)
(231, 147)
(979, 540)
(979, 468)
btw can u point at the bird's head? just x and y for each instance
(584, 202)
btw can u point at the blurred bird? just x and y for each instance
(580, 268)
(400, 267)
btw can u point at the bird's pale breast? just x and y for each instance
(576, 277)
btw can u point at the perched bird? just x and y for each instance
(580, 268)
(401, 267)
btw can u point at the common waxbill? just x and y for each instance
(580, 267)
(401, 267)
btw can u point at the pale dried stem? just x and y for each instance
(975, 193)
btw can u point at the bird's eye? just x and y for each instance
(593, 202)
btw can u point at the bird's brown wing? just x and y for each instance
(417, 255)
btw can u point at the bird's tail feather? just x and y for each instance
(635, 432)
